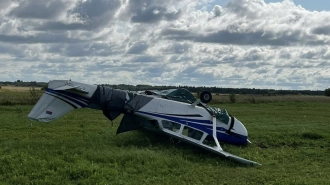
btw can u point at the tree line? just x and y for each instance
(220, 90)
(195, 89)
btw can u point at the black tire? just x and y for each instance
(205, 97)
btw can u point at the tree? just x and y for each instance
(327, 92)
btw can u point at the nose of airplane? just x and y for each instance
(238, 132)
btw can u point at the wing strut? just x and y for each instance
(214, 123)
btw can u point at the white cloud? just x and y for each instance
(247, 43)
(37, 9)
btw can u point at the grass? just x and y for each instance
(289, 138)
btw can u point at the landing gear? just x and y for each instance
(205, 97)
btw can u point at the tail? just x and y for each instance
(61, 97)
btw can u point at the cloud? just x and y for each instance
(37, 9)
(5, 4)
(243, 22)
(40, 38)
(138, 48)
(152, 11)
(322, 30)
(217, 10)
(145, 59)
(85, 15)
(242, 44)
(154, 14)
(176, 48)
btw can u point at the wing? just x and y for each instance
(200, 143)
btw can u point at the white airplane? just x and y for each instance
(174, 112)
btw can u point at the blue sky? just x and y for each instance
(317, 5)
(312, 5)
(232, 43)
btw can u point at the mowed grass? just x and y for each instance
(290, 139)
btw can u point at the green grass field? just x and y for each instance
(289, 138)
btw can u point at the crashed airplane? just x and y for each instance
(174, 112)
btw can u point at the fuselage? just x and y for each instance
(196, 117)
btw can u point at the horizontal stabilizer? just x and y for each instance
(76, 88)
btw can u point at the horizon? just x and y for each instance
(182, 86)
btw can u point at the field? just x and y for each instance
(12, 95)
(16, 89)
(290, 138)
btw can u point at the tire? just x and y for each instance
(205, 97)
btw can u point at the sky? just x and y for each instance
(311, 5)
(269, 44)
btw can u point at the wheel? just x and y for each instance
(205, 97)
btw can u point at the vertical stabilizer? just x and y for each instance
(49, 108)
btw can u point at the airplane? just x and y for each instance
(174, 112)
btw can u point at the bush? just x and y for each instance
(44, 87)
(252, 100)
(232, 98)
(33, 92)
(6, 102)
(33, 95)
(327, 92)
